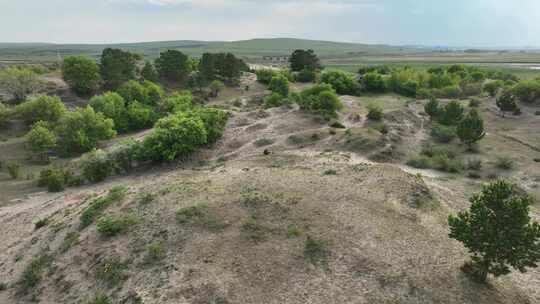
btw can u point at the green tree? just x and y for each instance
(149, 72)
(174, 136)
(79, 131)
(215, 87)
(40, 140)
(373, 82)
(5, 114)
(432, 108)
(498, 231)
(344, 83)
(214, 121)
(117, 67)
(471, 128)
(302, 59)
(280, 85)
(140, 116)
(96, 166)
(326, 103)
(173, 65)
(82, 74)
(19, 82)
(451, 114)
(375, 112)
(506, 102)
(178, 101)
(45, 108)
(112, 106)
(208, 67)
(527, 91)
(493, 87)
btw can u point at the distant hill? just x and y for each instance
(253, 48)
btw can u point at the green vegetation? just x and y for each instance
(221, 66)
(19, 82)
(149, 72)
(436, 158)
(216, 87)
(97, 206)
(343, 82)
(493, 87)
(99, 299)
(279, 85)
(41, 140)
(442, 133)
(44, 108)
(302, 60)
(504, 163)
(155, 252)
(112, 272)
(320, 99)
(109, 226)
(112, 106)
(314, 250)
(117, 66)
(96, 166)
(14, 169)
(507, 102)
(498, 231)
(34, 272)
(82, 74)
(173, 65)
(375, 112)
(471, 128)
(527, 91)
(200, 215)
(255, 231)
(71, 239)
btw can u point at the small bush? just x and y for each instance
(110, 226)
(504, 163)
(255, 231)
(375, 112)
(155, 252)
(41, 223)
(474, 164)
(14, 170)
(314, 250)
(474, 103)
(111, 272)
(343, 82)
(71, 239)
(200, 215)
(56, 181)
(274, 100)
(96, 166)
(447, 164)
(97, 206)
(34, 272)
(443, 134)
(263, 142)
(419, 161)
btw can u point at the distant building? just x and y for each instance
(276, 59)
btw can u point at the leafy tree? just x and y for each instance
(208, 67)
(302, 59)
(45, 108)
(117, 67)
(451, 114)
(344, 83)
(498, 231)
(471, 128)
(280, 85)
(306, 75)
(373, 82)
(173, 65)
(149, 72)
(40, 139)
(178, 102)
(146, 92)
(215, 87)
(264, 76)
(274, 100)
(79, 131)
(176, 135)
(153, 93)
(214, 121)
(432, 108)
(81, 73)
(140, 116)
(326, 103)
(19, 82)
(222, 66)
(196, 81)
(493, 87)
(442, 133)
(5, 114)
(506, 102)
(527, 90)
(96, 166)
(112, 106)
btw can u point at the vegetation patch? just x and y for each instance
(111, 272)
(200, 215)
(34, 272)
(109, 226)
(315, 250)
(97, 206)
(71, 239)
(155, 252)
(256, 231)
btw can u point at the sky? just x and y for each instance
(476, 23)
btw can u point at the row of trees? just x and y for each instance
(117, 67)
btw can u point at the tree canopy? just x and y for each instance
(19, 82)
(81, 73)
(304, 60)
(117, 66)
(173, 65)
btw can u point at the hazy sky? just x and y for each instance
(428, 22)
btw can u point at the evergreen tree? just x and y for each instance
(304, 60)
(149, 72)
(432, 108)
(506, 102)
(117, 67)
(471, 128)
(173, 65)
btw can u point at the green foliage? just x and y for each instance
(314, 250)
(222, 66)
(274, 100)
(5, 114)
(216, 86)
(264, 76)
(214, 121)
(373, 83)
(498, 231)
(320, 98)
(79, 131)
(40, 139)
(173, 65)
(432, 108)
(375, 112)
(436, 158)
(149, 72)
(342, 82)
(255, 231)
(146, 92)
(56, 181)
(471, 128)
(279, 85)
(71, 239)
(451, 114)
(305, 76)
(109, 226)
(140, 116)
(45, 108)
(527, 90)
(14, 170)
(200, 215)
(117, 66)
(177, 102)
(155, 252)
(506, 102)
(112, 106)
(97, 206)
(504, 163)
(111, 272)
(19, 82)
(304, 60)
(452, 92)
(123, 155)
(493, 87)
(34, 272)
(96, 166)
(442, 133)
(99, 299)
(174, 136)
(81, 73)
(380, 69)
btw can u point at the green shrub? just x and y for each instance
(344, 83)
(442, 133)
(99, 299)
(255, 231)
(96, 207)
(504, 163)
(41, 139)
(14, 170)
(527, 90)
(79, 131)
(373, 83)
(71, 239)
(274, 100)
(326, 103)
(451, 114)
(174, 136)
(305, 76)
(109, 226)
(155, 252)
(419, 161)
(493, 87)
(112, 106)
(5, 114)
(177, 102)
(216, 86)
(474, 164)
(44, 108)
(279, 85)
(446, 164)
(96, 166)
(140, 116)
(41, 223)
(474, 103)
(214, 121)
(19, 82)
(81, 73)
(450, 92)
(112, 272)
(147, 93)
(33, 274)
(124, 154)
(375, 112)
(314, 250)
(56, 181)
(265, 75)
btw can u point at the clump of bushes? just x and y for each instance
(97, 166)
(314, 250)
(343, 82)
(442, 133)
(155, 252)
(320, 99)
(504, 163)
(14, 170)
(436, 158)
(375, 112)
(109, 226)
(34, 272)
(112, 272)
(43, 108)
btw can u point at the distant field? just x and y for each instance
(345, 56)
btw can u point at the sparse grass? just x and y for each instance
(252, 198)
(293, 231)
(474, 164)
(330, 172)
(14, 170)
(505, 163)
(98, 205)
(71, 239)
(111, 272)
(200, 215)
(314, 250)
(263, 142)
(34, 272)
(155, 252)
(438, 158)
(109, 226)
(99, 299)
(255, 231)
(146, 198)
(41, 223)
